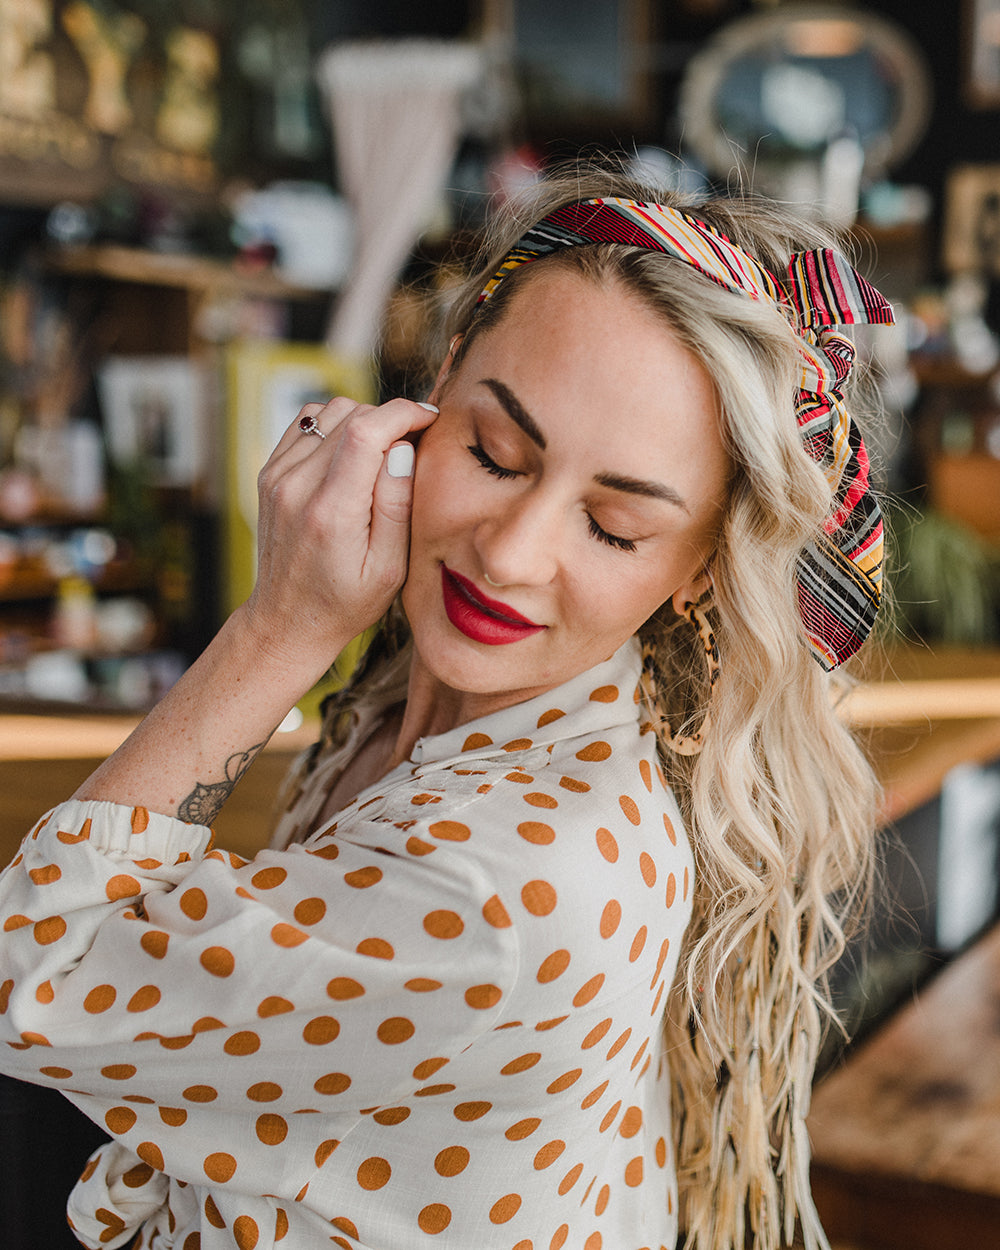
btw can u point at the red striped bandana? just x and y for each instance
(839, 574)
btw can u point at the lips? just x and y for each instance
(480, 618)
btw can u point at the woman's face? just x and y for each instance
(578, 465)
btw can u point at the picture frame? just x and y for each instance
(154, 411)
(971, 230)
(981, 71)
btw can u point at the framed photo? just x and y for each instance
(154, 416)
(982, 53)
(971, 232)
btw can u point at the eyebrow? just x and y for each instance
(615, 481)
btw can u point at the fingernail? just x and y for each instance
(429, 407)
(399, 461)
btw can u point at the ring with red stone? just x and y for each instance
(309, 425)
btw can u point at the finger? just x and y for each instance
(392, 502)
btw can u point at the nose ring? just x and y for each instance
(489, 580)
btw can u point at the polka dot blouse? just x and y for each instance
(436, 1022)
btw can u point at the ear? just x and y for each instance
(446, 364)
(692, 591)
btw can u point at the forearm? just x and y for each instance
(187, 755)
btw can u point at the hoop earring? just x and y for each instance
(687, 744)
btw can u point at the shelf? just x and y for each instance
(23, 585)
(191, 273)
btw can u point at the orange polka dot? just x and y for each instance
(646, 773)
(280, 1225)
(200, 1093)
(363, 878)
(671, 889)
(596, 1034)
(601, 1205)
(610, 1116)
(375, 948)
(607, 845)
(45, 993)
(450, 831)
(546, 718)
(120, 1119)
(633, 1172)
(5, 990)
(686, 883)
(536, 799)
(521, 1064)
(100, 998)
(505, 1208)
(616, 1046)
(595, 752)
(395, 1030)
(544, 1025)
(217, 960)
(428, 1067)
(119, 1071)
(631, 1122)
(342, 988)
(320, 1031)
(49, 930)
(271, 1129)
(154, 943)
(219, 1167)
(434, 1218)
(595, 1095)
(206, 1024)
(559, 1237)
(138, 1176)
(46, 875)
(150, 1153)
(140, 819)
(570, 1179)
(332, 1083)
(310, 910)
(647, 867)
(565, 1081)
(422, 985)
(57, 1074)
(594, 1242)
(661, 1152)
(638, 942)
(574, 785)
(264, 1091)
(522, 1129)
(345, 1225)
(324, 1150)
(173, 1116)
(539, 898)
(122, 886)
(475, 741)
(630, 808)
(268, 878)
(245, 1232)
(468, 1111)
(495, 914)
(194, 903)
(604, 694)
(391, 1115)
(589, 990)
(611, 918)
(548, 1154)
(374, 1173)
(212, 1213)
(451, 1161)
(661, 960)
(553, 966)
(537, 832)
(243, 1043)
(443, 924)
(482, 997)
(330, 851)
(144, 998)
(273, 1005)
(638, 1054)
(671, 832)
(416, 846)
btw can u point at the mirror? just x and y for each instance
(781, 94)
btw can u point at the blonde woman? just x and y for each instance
(537, 955)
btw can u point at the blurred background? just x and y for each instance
(212, 212)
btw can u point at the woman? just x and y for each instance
(454, 1001)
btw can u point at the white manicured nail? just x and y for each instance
(399, 461)
(429, 407)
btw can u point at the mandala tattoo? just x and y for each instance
(205, 802)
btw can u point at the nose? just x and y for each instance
(520, 544)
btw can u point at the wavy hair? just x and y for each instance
(781, 803)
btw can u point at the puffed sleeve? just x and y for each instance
(151, 977)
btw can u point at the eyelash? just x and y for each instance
(497, 470)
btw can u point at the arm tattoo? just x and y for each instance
(204, 803)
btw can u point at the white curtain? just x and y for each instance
(396, 119)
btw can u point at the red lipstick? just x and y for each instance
(480, 618)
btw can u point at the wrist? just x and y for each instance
(292, 653)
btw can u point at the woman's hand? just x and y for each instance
(334, 525)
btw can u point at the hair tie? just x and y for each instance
(839, 574)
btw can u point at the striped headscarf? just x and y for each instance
(839, 574)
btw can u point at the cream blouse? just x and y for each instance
(434, 1023)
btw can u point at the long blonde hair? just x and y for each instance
(780, 804)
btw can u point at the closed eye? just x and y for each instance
(490, 465)
(610, 540)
